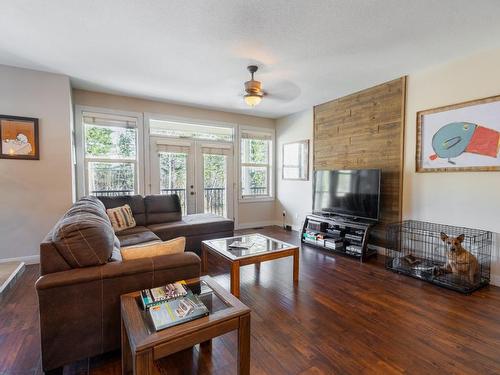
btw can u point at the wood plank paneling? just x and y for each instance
(366, 130)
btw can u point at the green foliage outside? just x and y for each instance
(214, 171)
(98, 140)
(108, 142)
(173, 170)
(258, 153)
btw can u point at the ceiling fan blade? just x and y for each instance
(283, 91)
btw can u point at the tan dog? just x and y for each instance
(459, 260)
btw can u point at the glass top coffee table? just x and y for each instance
(255, 248)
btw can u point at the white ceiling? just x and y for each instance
(195, 52)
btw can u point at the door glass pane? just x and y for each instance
(173, 175)
(105, 178)
(254, 181)
(214, 184)
(110, 142)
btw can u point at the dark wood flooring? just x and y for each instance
(343, 317)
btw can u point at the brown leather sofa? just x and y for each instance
(83, 275)
(160, 217)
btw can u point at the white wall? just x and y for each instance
(295, 197)
(35, 193)
(470, 199)
(249, 214)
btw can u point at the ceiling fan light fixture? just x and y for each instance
(253, 89)
(252, 99)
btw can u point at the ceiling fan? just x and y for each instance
(253, 88)
(282, 91)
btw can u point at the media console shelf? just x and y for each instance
(338, 234)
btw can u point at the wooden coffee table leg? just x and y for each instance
(244, 345)
(296, 265)
(126, 353)
(143, 363)
(235, 279)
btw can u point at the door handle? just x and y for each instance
(192, 193)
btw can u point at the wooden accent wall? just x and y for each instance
(366, 130)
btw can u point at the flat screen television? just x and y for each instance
(354, 193)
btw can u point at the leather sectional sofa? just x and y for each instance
(83, 275)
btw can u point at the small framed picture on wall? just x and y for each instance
(19, 137)
(295, 163)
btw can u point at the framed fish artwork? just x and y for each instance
(19, 138)
(460, 137)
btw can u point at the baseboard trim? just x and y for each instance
(11, 279)
(256, 224)
(31, 259)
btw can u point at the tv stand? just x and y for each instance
(338, 234)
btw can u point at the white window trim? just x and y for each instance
(270, 165)
(81, 162)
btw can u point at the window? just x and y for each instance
(256, 164)
(109, 154)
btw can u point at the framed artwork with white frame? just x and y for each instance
(460, 137)
(295, 161)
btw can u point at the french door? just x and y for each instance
(199, 172)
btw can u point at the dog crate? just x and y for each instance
(453, 257)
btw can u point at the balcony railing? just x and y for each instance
(215, 199)
(254, 191)
(111, 193)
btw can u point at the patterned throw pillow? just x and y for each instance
(121, 218)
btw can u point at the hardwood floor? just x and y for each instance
(343, 317)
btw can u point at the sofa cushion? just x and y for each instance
(175, 246)
(136, 203)
(190, 225)
(162, 209)
(84, 239)
(136, 235)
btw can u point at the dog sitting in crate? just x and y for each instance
(460, 262)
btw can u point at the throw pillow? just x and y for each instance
(121, 218)
(175, 246)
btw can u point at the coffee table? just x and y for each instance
(263, 248)
(142, 345)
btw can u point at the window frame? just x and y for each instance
(269, 166)
(81, 159)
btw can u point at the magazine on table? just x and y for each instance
(240, 245)
(155, 296)
(176, 311)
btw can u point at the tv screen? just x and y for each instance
(353, 193)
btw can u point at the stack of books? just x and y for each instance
(171, 305)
